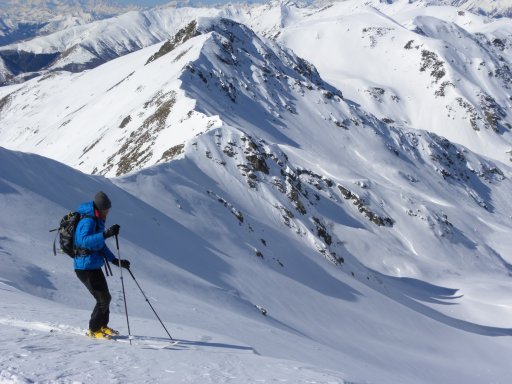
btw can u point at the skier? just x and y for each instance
(91, 255)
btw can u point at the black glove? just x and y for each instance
(124, 263)
(112, 231)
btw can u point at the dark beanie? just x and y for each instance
(101, 201)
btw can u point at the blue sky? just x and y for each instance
(148, 3)
(144, 3)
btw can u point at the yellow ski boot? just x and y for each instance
(109, 331)
(98, 335)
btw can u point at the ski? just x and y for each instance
(148, 341)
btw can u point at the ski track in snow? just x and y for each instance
(32, 353)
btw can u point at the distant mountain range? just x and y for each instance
(24, 20)
(492, 8)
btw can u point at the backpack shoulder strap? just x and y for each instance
(81, 250)
(54, 241)
(90, 217)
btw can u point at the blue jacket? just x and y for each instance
(89, 235)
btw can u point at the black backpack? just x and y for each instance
(66, 234)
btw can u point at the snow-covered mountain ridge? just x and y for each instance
(405, 60)
(82, 47)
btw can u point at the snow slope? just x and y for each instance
(193, 234)
(429, 68)
(283, 230)
(44, 308)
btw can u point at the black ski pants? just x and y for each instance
(95, 281)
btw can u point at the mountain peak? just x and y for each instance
(211, 67)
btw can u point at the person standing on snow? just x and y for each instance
(92, 253)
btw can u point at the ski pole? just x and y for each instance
(124, 295)
(158, 317)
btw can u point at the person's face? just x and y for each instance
(103, 214)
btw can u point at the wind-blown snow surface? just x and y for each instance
(197, 262)
(44, 308)
(379, 252)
